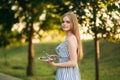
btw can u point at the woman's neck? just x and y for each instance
(69, 33)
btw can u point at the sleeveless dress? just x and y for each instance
(66, 73)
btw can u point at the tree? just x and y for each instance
(31, 12)
(96, 42)
(6, 21)
(27, 13)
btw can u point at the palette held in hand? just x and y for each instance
(48, 58)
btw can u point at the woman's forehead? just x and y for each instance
(66, 18)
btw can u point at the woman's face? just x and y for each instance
(66, 24)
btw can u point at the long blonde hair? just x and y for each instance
(75, 31)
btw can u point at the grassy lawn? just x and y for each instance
(16, 58)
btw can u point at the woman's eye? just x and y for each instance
(65, 21)
(62, 21)
(68, 21)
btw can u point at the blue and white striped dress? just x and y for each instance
(66, 73)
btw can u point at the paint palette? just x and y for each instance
(48, 58)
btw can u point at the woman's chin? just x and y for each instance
(66, 30)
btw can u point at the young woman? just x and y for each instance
(69, 51)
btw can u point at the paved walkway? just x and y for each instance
(7, 77)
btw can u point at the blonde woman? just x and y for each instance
(69, 51)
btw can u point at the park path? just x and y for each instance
(7, 77)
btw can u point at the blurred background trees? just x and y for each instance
(29, 21)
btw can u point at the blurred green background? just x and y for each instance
(29, 27)
(16, 61)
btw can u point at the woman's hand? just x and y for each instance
(54, 57)
(51, 62)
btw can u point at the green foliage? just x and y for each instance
(107, 15)
(6, 21)
(52, 22)
(52, 36)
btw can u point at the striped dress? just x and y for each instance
(66, 73)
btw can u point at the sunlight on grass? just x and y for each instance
(17, 61)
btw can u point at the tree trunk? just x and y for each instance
(30, 52)
(5, 57)
(97, 48)
(97, 55)
(96, 41)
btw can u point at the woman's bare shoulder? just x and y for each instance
(71, 39)
(72, 42)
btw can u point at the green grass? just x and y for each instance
(17, 61)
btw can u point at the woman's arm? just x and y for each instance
(72, 49)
